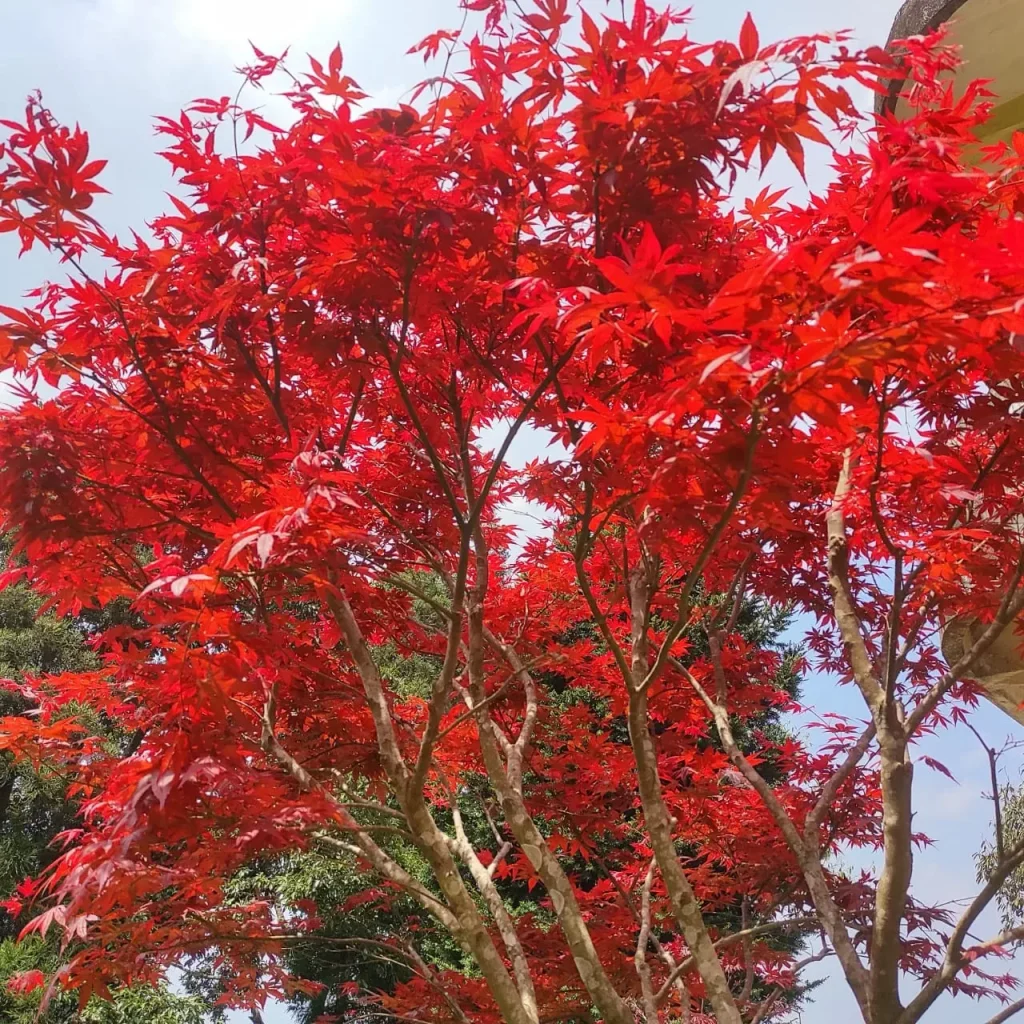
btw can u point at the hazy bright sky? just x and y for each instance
(113, 64)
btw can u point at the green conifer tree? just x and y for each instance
(34, 809)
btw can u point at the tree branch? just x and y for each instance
(683, 606)
(845, 610)
(812, 823)
(828, 912)
(643, 969)
(496, 905)
(507, 784)
(685, 906)
(954, 960)
(1007, 1012)
(753, 932)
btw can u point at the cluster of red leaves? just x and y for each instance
(284, 395)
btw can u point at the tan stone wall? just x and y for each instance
(1000, 671)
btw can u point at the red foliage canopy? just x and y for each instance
(284, 416)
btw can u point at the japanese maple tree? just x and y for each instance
(281, 430)
(363, 945)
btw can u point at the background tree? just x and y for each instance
(1009, 828)
(35, 809)
(294, 402)
(1010, 897)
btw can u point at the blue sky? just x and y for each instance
(113, 64)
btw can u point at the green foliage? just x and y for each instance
(32, 805)
(33, 954)
(411, 675)
(355, 929)
(144, 1005)
(407, 675)
(139, 1005)
(1011, 897)
(33, 809)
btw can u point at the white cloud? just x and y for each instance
(270, 24)
(225, 27)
